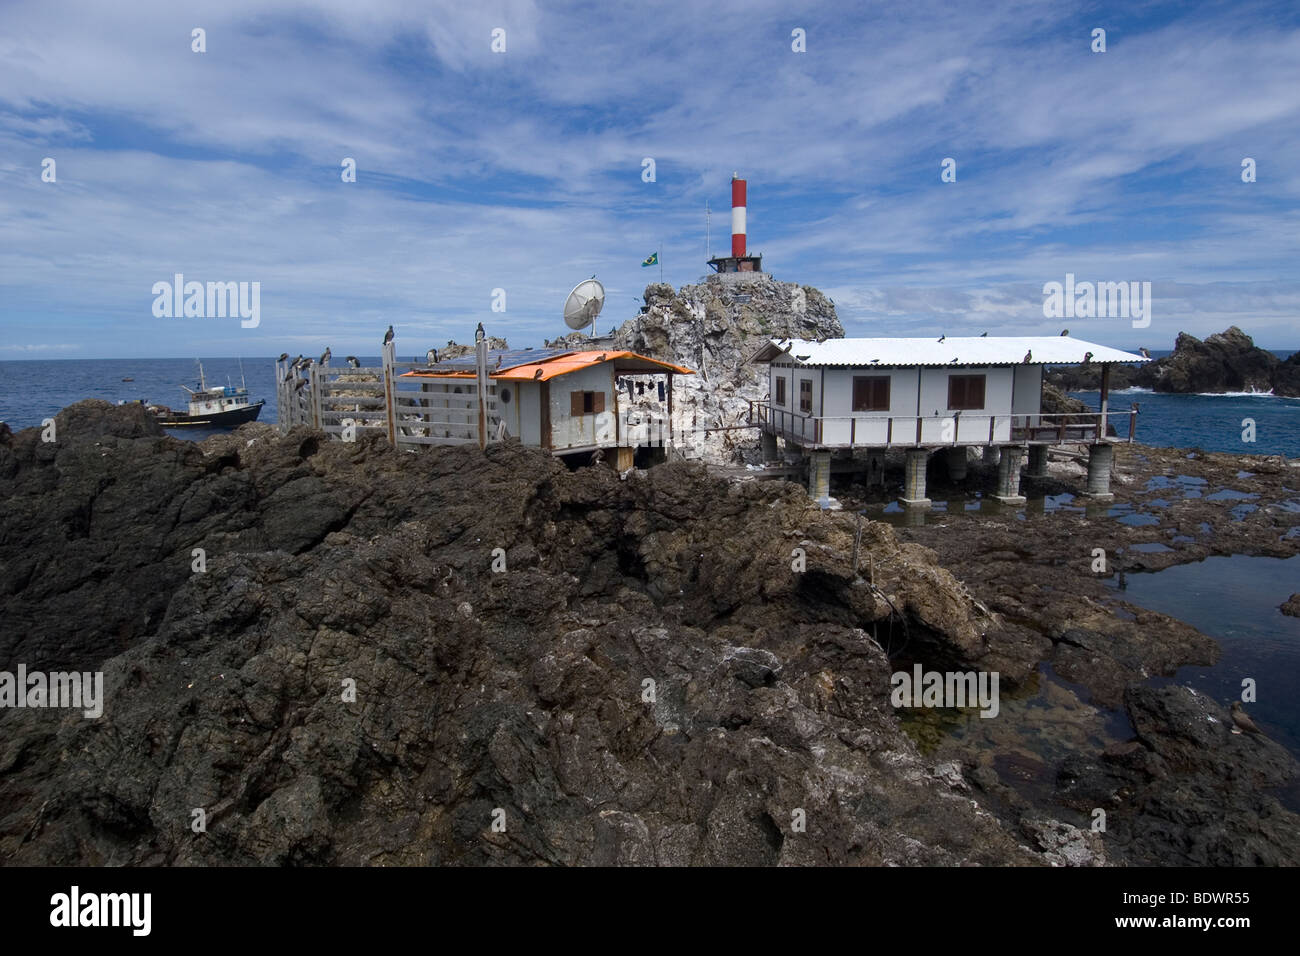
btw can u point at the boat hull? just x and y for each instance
(230, 418)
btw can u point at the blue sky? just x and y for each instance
(522, 170)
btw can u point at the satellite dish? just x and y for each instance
(584, 304)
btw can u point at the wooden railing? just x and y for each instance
(346, 403)
(957, 428)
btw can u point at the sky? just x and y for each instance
(524, 170)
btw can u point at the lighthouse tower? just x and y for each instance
(739, 260)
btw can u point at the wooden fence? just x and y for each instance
(346, 403)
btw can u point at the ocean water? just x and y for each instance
(33, 390)
(1209, 422)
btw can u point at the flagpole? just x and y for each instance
(660, 257)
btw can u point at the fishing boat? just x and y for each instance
(218, 406)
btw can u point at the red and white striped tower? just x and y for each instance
(740, 260)
(737, 216)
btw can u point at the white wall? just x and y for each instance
(1002, 386)
(583, 431)
(1028, 394)
(529, 411)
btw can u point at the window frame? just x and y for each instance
(873, 383)
(805, 406)
(960, 398)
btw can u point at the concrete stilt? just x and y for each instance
(1100, 458)
(992, 454)
(767, 444)
(819, 476)
(915, 460)
(1008, 491)
(1037, 462)
(956, 459)
(876, 468)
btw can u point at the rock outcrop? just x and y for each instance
(346, 679)
(1227, 361)
(714, 328)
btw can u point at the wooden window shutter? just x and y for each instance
(575, 404)
(598, 402)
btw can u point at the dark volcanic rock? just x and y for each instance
(1188, 791)
(1224, 362)
(1227, 361)
(350, 682)
(1291, 606)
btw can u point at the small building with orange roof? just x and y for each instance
(564, 401)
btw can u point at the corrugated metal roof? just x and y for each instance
(953, 350)
(558, 363)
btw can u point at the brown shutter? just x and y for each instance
(598, 402)
(575, 404)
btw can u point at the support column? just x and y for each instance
(956, 458)
(819, 477)
(1008, 491)
(1100, 458)
(767, 443)
(915, 460)
(876, 468)
(1037, 462)
(624, 459)
(992, 454)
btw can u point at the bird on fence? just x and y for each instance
(283, 356)
(289, 374)
(299, 384)
(297, 363)
(326, 356)
(354, 361)
(432, 356)
(1065, 332)
(1242, 720)
(1029, 357)
(479, 334)
(1144, 353)
(388, 336)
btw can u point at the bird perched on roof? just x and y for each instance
(1065, 331)
(354, 361)
(1144, 352)
(326, 356)
(874, 361)
(388, 336)
(431, 356)
(954, 360)
(984, 335)
(1087, 357)
(283, 356)
(600, 357)
(1029, 357)
(479, 334)
(537, 374)
(942, 337)
(1242, 720)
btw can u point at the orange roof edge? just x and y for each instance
(557, 366)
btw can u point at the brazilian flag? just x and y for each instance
(652, 260)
